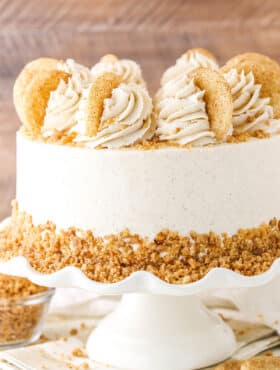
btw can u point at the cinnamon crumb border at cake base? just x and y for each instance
(174, 258)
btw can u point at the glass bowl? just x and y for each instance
(22, 318)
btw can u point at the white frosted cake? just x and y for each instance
(113, 182)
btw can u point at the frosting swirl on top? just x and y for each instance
(61, 109)
(182, 116)
(187, 63)
(80, 75)
(250, 111)
(64, 101)
(126, 118)
(128, 69)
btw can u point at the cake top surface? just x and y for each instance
(109, 105)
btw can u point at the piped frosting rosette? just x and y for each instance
(127, 69)
(192, 59)
(254, 80)
(64, 100)
(194, 109)
(47, 93)
(114, 114)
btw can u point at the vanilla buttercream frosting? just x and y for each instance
(181, 111)
(221, 188)
(62, 107)
(127, 69)
(126, 118)
(188, 62)
(251, 112)
(64, 101)
(81, 76)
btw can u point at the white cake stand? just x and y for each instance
(157, 326)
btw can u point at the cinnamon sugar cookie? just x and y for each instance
(218, 100)
(101, 89)
(266, 72)
(257, 57)
(36, 96)
(26, 75)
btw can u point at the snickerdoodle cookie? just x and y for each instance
(25, 77)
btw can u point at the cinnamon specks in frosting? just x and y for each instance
(172, 257)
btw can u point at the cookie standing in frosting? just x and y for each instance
(194, 109)
(36, 97)
(192, 59)
(26, 76)
(218, 100)
(127, 69)
(255, 85)
(93, 101)
(114, 114)
(110, 107)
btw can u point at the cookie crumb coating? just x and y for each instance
(174, 258)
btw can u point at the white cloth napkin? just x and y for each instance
(56, 355)
(59, 354)
(77, 303)
(260, 305)
(71, 309)
(80, 310)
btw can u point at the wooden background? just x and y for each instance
(153, 32)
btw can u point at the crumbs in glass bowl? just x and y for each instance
(23, 308)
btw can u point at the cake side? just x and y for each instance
(220, 188)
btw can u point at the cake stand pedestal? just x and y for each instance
(157, 326)
(150, 332)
